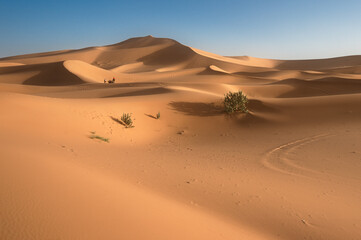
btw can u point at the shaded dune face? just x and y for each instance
(70, 169)
(141, 42)
(321, 87)
(320, 64)
(48, 74)
(173, 54)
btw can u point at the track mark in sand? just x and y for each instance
(278, 159)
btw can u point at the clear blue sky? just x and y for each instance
(283, 29)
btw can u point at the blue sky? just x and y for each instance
(293, 29)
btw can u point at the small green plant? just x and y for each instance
(158, 115)
(235, 102)
(93, 136)
(127, 120)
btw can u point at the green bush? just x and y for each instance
(158, 115)
(235, 102)
(94, 136)
(127, 119)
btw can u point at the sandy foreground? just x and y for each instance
(290, 169)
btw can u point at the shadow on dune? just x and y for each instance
(263, 74)
(52, 74)
(197, 108)
(319, 64)
(200, 109)
(211, 109)
(255, 105)
(150, 115)
(139, 42)
(210, 71)
(320, 87)
(143, 92)
(38, 55)
(119, 121)
(116, 120)
(173, 54)
(249, 119)
(47, 74)
(127, 85)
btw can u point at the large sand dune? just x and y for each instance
(289, 169)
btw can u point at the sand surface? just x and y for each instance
(289, 169)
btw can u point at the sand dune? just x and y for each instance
(212, 69)
(256, 62)
(322, 86)
(10, 64)
(320, 64)
(48, 74)
(87, 72)
(289, 169)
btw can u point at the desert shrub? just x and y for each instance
(94, 136)
(158, 115)
(235, 102)
(127, 119)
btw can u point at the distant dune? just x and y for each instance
(69, 169)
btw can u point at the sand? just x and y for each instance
(289, 169)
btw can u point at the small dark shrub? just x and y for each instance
(127, 119)
(94, 136)
(235, 102)
(158, 115)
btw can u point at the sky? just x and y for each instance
(279, 29)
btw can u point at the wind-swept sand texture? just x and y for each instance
(289, 169)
